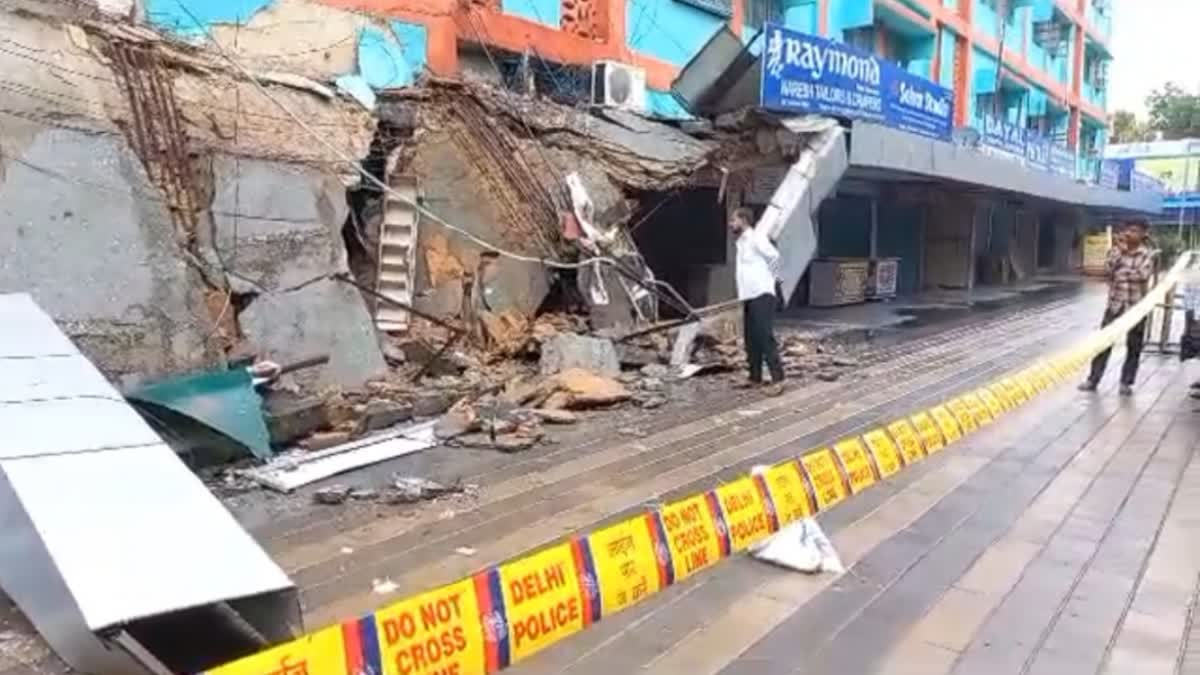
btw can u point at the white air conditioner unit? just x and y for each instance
(618, 85)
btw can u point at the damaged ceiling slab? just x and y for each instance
(499, 166)
(175, 190)
(108, 536)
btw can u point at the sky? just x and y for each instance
(1154, 42)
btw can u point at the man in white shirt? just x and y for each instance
(756, 262)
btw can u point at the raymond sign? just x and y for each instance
(788, 492)
(692, 535)
(827, 484)
(627, 563)
(803, 73)
(748, 515)
(321, 652)
(542, 600)
(434, 633)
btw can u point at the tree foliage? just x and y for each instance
(1127, 128)
(1174, 111)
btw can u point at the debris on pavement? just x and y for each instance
(561, 417)
(585, 389)
(299, 468)
(650, 401)
(323, 440)
(381, 414)
(567, 351)
(465, 551)
(801, 546)
(332, 495)
(410, 489)
(384, 586)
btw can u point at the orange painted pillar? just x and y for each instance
(442, 46)
(1076, 86)
(736, 21)
(614, 35)
(962, 80)
(936, 72)
(823, 18)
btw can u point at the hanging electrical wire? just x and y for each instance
(371, 178)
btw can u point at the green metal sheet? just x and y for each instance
(224, 401)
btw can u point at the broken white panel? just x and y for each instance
(106, 531)
(288, 472)
(397, 253)
(801, 546)
(788, 218)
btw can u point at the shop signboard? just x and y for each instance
(803, 73)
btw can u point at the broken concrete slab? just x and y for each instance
(289, 417)
(332, 495)
(324, 317)
(555, 416)
(323, 440)
(431, 404)
(102, 260)
(295, 234)
(418, 352)
(585, 389)
(381, 414)
(567, 351)
(457, 421)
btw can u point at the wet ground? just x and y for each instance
(602, 470)
(617, 461)
(860, 332)
(1059, 541)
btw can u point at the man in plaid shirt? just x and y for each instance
(1129, 267)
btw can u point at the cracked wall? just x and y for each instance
(98, 255)
(282, 258)
(90, 236)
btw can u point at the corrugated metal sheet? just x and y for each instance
(103, 524)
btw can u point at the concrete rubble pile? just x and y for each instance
(228, 241)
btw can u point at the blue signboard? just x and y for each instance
(1004, 136)
(807, 74)
(1110, 174)
(1141, 182)
(1037, 151)
(1062, 161)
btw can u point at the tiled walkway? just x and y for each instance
(1064, 540)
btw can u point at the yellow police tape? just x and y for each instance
(506, 613)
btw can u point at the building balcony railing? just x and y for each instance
(1095, 95)
(1100, 21)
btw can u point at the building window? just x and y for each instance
(863, 38)
(985, 105)
(757, 12)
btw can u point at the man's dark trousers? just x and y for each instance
(1133, 352)
(758, 327)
